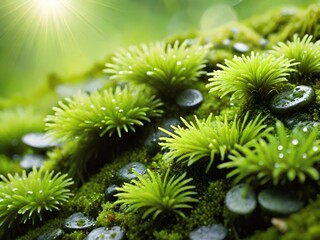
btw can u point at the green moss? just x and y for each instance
(37, 231)
(301, 225)
(94, 161)
(16, 122)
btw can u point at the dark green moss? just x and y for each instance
(301, 225)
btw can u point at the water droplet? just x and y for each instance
(295, 141)
(276, 165)
(305, 129)
(315, 148)
(14, 189)
(120, 110)
(280, 147)
(30, 192)
(91, 106)
(174, 56)
(117, 107)
(179, 63)
(113, 100)
(40, 191)
(304, 156)
(280, 155)
(103, 108)
(130, 67)
(149, 73)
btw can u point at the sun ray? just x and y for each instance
(43, 36)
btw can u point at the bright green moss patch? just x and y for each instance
(106, 130)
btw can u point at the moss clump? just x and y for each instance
(104, 130)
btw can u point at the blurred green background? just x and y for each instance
(66, 37)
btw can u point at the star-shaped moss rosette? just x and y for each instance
(280, 158)
(110, 111)
(164, 67)
(206, 139)
(155, 195)
(26, 197)
(250, 78)
(303, 51)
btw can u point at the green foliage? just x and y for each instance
(28, 196)
(157, 195)
(164, 67)
(7, 165)
(110, 111)
(280, 159)
(301, 51)
(208, 138)
(15, 123)
(250, 78)
(302, 23)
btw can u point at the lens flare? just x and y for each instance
(48, 5)
(48, 35)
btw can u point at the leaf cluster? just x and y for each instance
(279, 158)
(208, 138)
(303, 52)
(250, 78)
(155, 195)
(163, 67)
(27, 196)
(107, 112)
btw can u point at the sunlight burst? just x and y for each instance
(49, 7)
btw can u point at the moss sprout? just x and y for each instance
(157, 195)
(7, 165)
(166, 68)
(208, 138)
(108, 112)
(27, 196)
(303, 51)
(250, 78)
(279, 158)
(18, 122)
